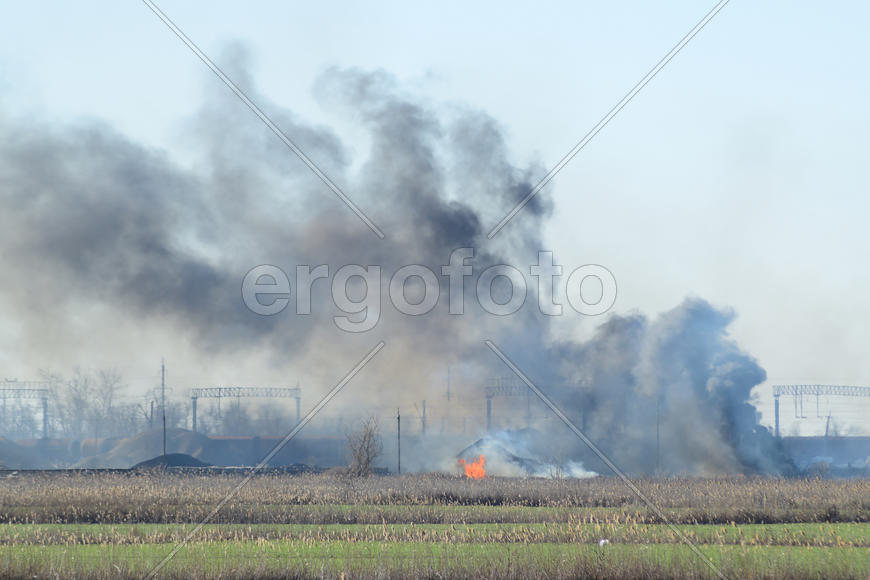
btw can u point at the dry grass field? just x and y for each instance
(109, 525)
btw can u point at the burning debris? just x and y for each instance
(475, 469)
(514, 453)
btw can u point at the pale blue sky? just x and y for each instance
(738, 175)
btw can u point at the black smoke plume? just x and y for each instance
(111, 246)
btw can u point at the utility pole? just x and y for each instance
(776, 414)
(658, 436)
(448, 383)
(298, 403)
(528, 410)
(163, 404)
(423, 422)
(45, 417)
(398, 440)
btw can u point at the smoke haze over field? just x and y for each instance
(681, 377)
(111, 248)
(121, 229)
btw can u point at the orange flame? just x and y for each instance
(475, 469)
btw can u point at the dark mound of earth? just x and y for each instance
(171, 460)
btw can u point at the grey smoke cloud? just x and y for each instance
(671, 393)
(98, 227)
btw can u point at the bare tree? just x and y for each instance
(76, 399)
(237, 420)
(365, 447)
(24, 419)
(86, 405)
(104, 420)
(177, 411)
(273, 419)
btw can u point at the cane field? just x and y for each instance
(141, 524)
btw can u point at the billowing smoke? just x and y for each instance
(112, 247)
(100, 232)
(671, 394)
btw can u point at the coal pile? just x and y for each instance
(171, 460)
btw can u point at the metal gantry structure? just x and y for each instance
(798, 392)
(247, 392)
(507, 387)
(26, 390)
